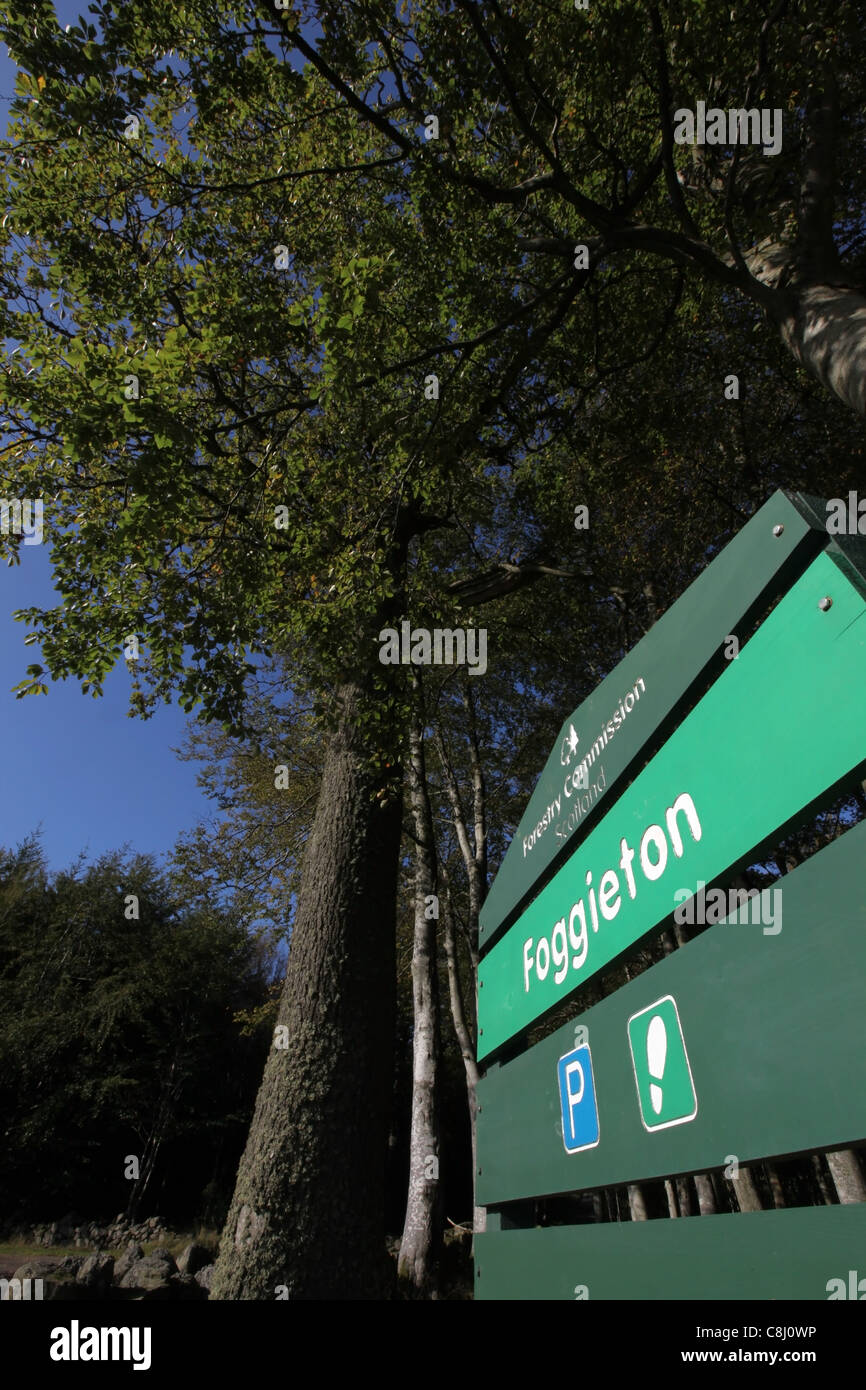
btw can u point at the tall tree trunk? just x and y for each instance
(419, 1248)
(685, 1197)
(308, 1207)
(474, 853)
(747, 1195)
(777, 1191)
(637, 1202)
(847, 1176)
(706, 1195)
(821, 1180)
(466, 1043)
(168, 1095)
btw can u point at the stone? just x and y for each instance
(194, 1258)
(96, 1272)
(151, 1273)
(130, 1256)
(204, 1278)
(39, 1268)
(185, 1287)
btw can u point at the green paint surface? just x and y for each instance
(781, 725)
(754, 1255)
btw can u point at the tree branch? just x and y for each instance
(674, 187)
(816, 248)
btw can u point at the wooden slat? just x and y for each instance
(758, 1255)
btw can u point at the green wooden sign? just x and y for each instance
(631, 711)
(763, 744)
(743, 1044)
(806, 1253)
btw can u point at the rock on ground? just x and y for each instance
(194, 1258)
(152, 1272)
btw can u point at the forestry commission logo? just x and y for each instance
(568, 747)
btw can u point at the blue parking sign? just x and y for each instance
(577, 1099)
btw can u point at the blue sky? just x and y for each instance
(93, 778)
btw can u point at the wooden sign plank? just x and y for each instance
(780, 729)
(803, 1253)
(633, 709)
(770, 1018)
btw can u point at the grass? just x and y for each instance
(22, 1250)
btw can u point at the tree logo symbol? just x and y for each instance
(569, 743)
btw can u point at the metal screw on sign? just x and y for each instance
(824, 604)
(777, 530)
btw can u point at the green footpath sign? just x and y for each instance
(759, 747)
(665, 1088)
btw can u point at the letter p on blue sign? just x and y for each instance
(577, 1100)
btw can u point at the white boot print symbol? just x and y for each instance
(656, 1052)
(662, 1072)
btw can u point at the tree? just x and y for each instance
(119, 986)
(586, 123)
(419, 1247)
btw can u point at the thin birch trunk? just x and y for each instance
(418, 1259)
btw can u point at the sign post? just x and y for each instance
(701, 1062)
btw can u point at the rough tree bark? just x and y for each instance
(847, 1175)
(685, 1197)
(825, 329)
(418, 1259)
(308, 1207)
(747, 1195)
(466, 1043)
(706, 1195)
(637, 1202)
